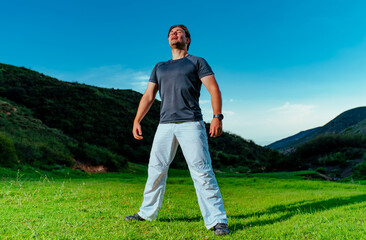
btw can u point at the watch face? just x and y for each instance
(219, 116)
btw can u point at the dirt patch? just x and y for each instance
(89, 168)
(316, 175)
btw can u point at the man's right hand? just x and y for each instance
(136, 131)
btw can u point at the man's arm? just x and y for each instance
(144, 106)
(216, 101)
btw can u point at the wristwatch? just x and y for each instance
(219, 116)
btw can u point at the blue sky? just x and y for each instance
(282, 66)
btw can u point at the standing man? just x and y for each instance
(179, 82)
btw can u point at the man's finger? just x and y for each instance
(214, 132)
(137, 134)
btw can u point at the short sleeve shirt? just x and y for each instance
(179, 83)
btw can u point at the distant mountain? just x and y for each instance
(359, 128)
(344, 121)
(98, 119)
(293, 140)
(338, 149)
(351, 121)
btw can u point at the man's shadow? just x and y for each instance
(297, 208)
(182, 219)
(289, 210)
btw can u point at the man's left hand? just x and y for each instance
(215, 128)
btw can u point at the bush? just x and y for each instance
(51, 158)
(95, 155)
(360, 170)
(16, 94)
(328, 150)
(333, 159)
(321, 170)
(8, 156)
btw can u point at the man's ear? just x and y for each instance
(188, 40)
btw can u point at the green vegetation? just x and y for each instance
(92, 115)
(73, 205)
(25, 140)
(360, 169)
(233, 152)
(93, 125)
(334, 153)
(8, 156)
(53, 124)
(350, 122)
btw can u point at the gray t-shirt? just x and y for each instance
(179, 88)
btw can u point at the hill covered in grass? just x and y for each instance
(337, 149)
(34, 143)
(92, 118)
(352, 121)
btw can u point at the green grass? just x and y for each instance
(71, 205)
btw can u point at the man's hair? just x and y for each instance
(188, 35)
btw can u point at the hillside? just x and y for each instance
(344, 121)
(89, 114)
(351, 121)
(338, 149)
(359, 128)
(293, 140)
(101, 117)
(47, 148)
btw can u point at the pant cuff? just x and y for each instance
(143, 216)
(209, 226)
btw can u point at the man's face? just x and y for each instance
(177, 38)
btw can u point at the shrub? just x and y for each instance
(360, 170)
(96, 155)
(321, 170)
(16, 94)
(329, 150)
(8, 156)
(332, 159)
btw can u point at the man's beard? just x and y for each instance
(179, 45)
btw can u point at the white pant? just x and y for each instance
(192, 138)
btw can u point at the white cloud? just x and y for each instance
(291, 114)
(293, 108)
(205, 101)
(114, 76)
(228, 113)
(141, 76)
(266, 124)
(140, 81)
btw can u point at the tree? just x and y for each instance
(8, 156)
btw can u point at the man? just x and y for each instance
(179, 82)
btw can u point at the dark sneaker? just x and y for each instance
(134, 217)
(221, 229)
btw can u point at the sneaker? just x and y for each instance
(134, 217)
(221, 229)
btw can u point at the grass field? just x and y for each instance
(64, 205)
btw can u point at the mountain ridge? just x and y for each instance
(350, 121)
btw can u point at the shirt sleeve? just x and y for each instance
(153, 77)
(203, 68)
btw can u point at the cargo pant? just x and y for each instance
(192, 138)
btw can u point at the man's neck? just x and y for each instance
(179, 53)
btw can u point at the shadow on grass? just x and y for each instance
(181, 219)
(298, 208)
